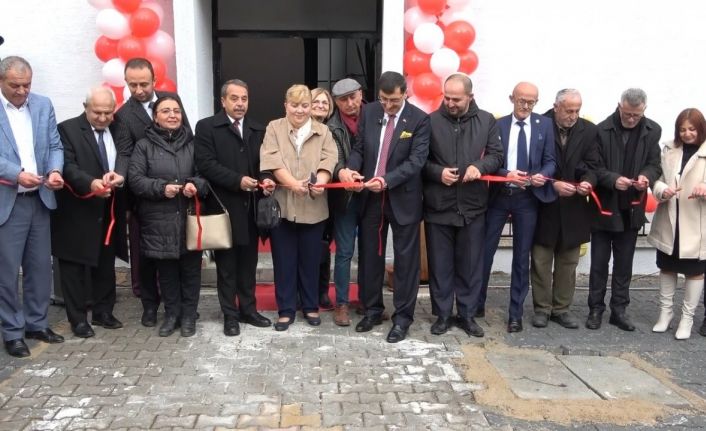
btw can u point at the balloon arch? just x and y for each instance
(438, 40)
(131, 28)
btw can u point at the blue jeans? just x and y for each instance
(345, 224)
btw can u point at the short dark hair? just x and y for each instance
(696, 118)
(390, 81)
(139, 63)
(163, 99)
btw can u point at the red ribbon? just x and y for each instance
(197, 208)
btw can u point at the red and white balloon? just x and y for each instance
(130, 29)
(439, 37)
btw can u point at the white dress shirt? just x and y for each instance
(109, 146)
(385, 119)
(21, 125)
(146, 105)
(240, 123)
(512, 141)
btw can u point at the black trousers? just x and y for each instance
(180, 283)
(236, 271)
(455, 256)
(85, 286)
(622, 245)
(371, 263)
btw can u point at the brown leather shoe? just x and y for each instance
(341, 316)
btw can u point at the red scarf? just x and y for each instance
(350, 122)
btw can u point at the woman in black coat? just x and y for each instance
(162, 175)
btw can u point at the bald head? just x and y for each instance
(524, 97)
(99, 107)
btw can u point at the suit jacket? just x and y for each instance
(78, 226)
(541, 153)
(223, 158)
(406, 157)
(567, 220)
(47, 151)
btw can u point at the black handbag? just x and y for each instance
(268, 214)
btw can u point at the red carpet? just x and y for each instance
(265, 294)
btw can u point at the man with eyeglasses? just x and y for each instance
(528, 145)
(629, 146)
(136, 114)
(388, 155)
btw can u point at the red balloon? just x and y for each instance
(459, 35)
(117, 92)
(144, 22)
(127, 6)
(432, 7)
(160, 69)
(166, 85)
(409, 44)
(130, 47)
(651, 204)
(427, 86)
(469, 62)
(106, 48)
(416, 62)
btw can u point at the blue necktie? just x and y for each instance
(102, 151)
(522, 162)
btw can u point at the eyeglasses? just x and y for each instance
(524, 102)
(631, 115)
(167, 111)
(390, 101)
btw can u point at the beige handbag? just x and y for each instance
(208, 232)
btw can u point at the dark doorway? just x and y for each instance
(272, 44)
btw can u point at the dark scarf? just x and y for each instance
(350, 122)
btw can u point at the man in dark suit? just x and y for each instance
(31, 160)
(136, 115)
(528, 145)
(227, 153)
(389, 153)
(96, 155)
(564, 224)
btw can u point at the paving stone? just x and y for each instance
(539, 375)
(170, 421)
(213, 421)
(615, 378)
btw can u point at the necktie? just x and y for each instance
(522, 163)
(102, 151)
(563, 136)
(236, 129)
(386, 140)
(150, 106)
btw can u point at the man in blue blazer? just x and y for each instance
(31, 160)
(528, 145)
(391, 148)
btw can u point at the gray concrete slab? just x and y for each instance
(615, 378)
(539, 375)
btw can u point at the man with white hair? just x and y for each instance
(96, 156)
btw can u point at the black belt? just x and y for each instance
(509, 191)
(28, 194)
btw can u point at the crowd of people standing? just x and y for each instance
(92, 187)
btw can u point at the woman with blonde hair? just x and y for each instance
(321, 105)
(300, 153)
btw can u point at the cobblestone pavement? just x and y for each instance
(306, 378)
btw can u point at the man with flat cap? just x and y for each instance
(343, 204)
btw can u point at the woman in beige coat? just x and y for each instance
(679, 225)
(299, 152)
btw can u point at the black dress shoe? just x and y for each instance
(168, 326)
(622, 321)
(46, 335)
(17, 348)
(514, 325)
(480, 313)
(566, 320)
(149, 318)
(702, 329)
(470, 327)
(441, 326)
(540, 320)
(283, 326)
(83, 330)
(106, 320)
(231, 327)
(396, 334)
(256, 319)
(594, 319)
(368, 323)
(312, 320)
(188, 326)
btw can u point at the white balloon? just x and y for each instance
(444, 62)
(457, 4)
(156, 7)
(414, 17)
(113, 72)
(101, 4)
(112, 23)
(451, 15)
(160, 45)
(126, 93)
(428, 38)
(423, 104)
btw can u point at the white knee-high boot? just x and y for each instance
(692, 294)
(667, 286)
